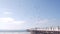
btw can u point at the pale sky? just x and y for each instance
(24, 14)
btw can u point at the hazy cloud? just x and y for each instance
(10, 23)
(7, 13)
(10, 20)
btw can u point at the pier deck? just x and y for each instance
(45, 31)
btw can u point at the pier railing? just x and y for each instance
(50, 30)
(47, 29)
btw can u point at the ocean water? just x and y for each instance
(14, 32)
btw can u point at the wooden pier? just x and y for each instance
(45, 31)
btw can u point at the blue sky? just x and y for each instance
(23, 14)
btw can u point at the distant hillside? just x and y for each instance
(13, 31)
